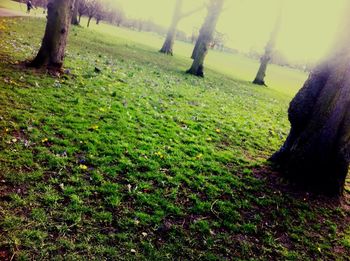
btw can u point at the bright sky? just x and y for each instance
(308, 27)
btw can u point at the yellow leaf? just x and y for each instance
(83, 167)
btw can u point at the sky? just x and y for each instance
(307, 29)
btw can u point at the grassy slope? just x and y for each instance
(143, 161)
(282, 79)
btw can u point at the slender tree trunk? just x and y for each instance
(167, 47)
(89, 20)
(53, 44)
(316, 153)
(260, 77)
(266, 58)
(79, 18)
(205, 37)
(75, 20)
(97, 21)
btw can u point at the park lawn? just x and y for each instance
(141, 161)
(238, 66)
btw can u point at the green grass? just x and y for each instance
(142, 161)
(282, 79)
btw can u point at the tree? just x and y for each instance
(167, 47)
(266, 58)
(316, 153)
(51, 53)
(120, 16)
(75, 20)
(205, 37)
(218, 41)
(93, 7)
(82, 9)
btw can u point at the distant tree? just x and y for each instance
(266, 58)
(115, 15)
(316, 153)
(205, 37)
(75, 20)
(101, 11)
(194, 36)
(82, 9)
(167, 47)
(52, 50)
(218, 41)
(120, 16)
(93, 8)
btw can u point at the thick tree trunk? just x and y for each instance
(75, 20)
(316, 153)
(53, 45)
(205, 37)
(167, 47)
(89, 20)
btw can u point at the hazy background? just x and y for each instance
(307, 26)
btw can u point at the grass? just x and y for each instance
(142, 161)
(237, 66)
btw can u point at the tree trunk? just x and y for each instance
(80, 15)
(205, 37)
(75, 20)
(97, 21)
(53, 45)
(89, 20)
(260, 77)
(266, 58)
(316, 153)
(167, 47)
(196, 46)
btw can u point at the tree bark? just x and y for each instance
(266, 58)
(167, 47)
(316, 153)
(260, 77)
(54, 42)
(205, 37)
(89, 20)
(75, 20)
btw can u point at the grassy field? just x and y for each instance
(282, 79)
(144, 162)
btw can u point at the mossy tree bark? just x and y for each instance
(75, 20)
(52, 50)
(316, 153)
(205, 37)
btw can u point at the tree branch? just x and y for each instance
(189, 13)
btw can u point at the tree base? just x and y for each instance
(309, 177)
(199, 72)
(259, 82)
(167, 52)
